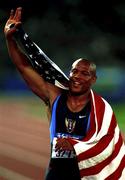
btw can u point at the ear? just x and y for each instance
(94, 79)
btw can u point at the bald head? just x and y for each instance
(86, 62)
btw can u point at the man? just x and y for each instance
(86, 142)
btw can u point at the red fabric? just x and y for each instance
(101, 154)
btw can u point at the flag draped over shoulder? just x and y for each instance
(101, 155)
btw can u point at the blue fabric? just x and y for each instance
(53, 120)
(88, 124)
(53, 124)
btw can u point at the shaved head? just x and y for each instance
(91, 64)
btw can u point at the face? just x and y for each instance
(81, 77)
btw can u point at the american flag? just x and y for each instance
(101, 155)
(44, 66)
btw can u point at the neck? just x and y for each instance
(77, 103)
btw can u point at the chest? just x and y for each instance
(72, 123)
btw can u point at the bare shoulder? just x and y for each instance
(54, 91)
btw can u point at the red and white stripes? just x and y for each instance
(101, 155)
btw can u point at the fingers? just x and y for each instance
(11, 14)
(13, 23)
(63, 144)
(17, 15)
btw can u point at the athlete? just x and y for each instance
(86, 142)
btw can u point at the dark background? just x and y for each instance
(65, 30)
(69, 29)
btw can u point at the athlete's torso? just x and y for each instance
(65, 123)
(74, 124)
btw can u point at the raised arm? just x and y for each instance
(46, 91)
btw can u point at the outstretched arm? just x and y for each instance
(38, 85)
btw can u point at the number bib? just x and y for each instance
(61, 153)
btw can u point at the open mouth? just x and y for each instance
(76, 83)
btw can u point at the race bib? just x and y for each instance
(61, 153)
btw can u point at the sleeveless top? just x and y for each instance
(65, 123)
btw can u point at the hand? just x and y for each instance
(63, 144)
(13, 22)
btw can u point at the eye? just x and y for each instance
(73, 71)
(85, 73)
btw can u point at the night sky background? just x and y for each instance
(69, 29)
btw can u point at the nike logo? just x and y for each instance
(81, 116)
